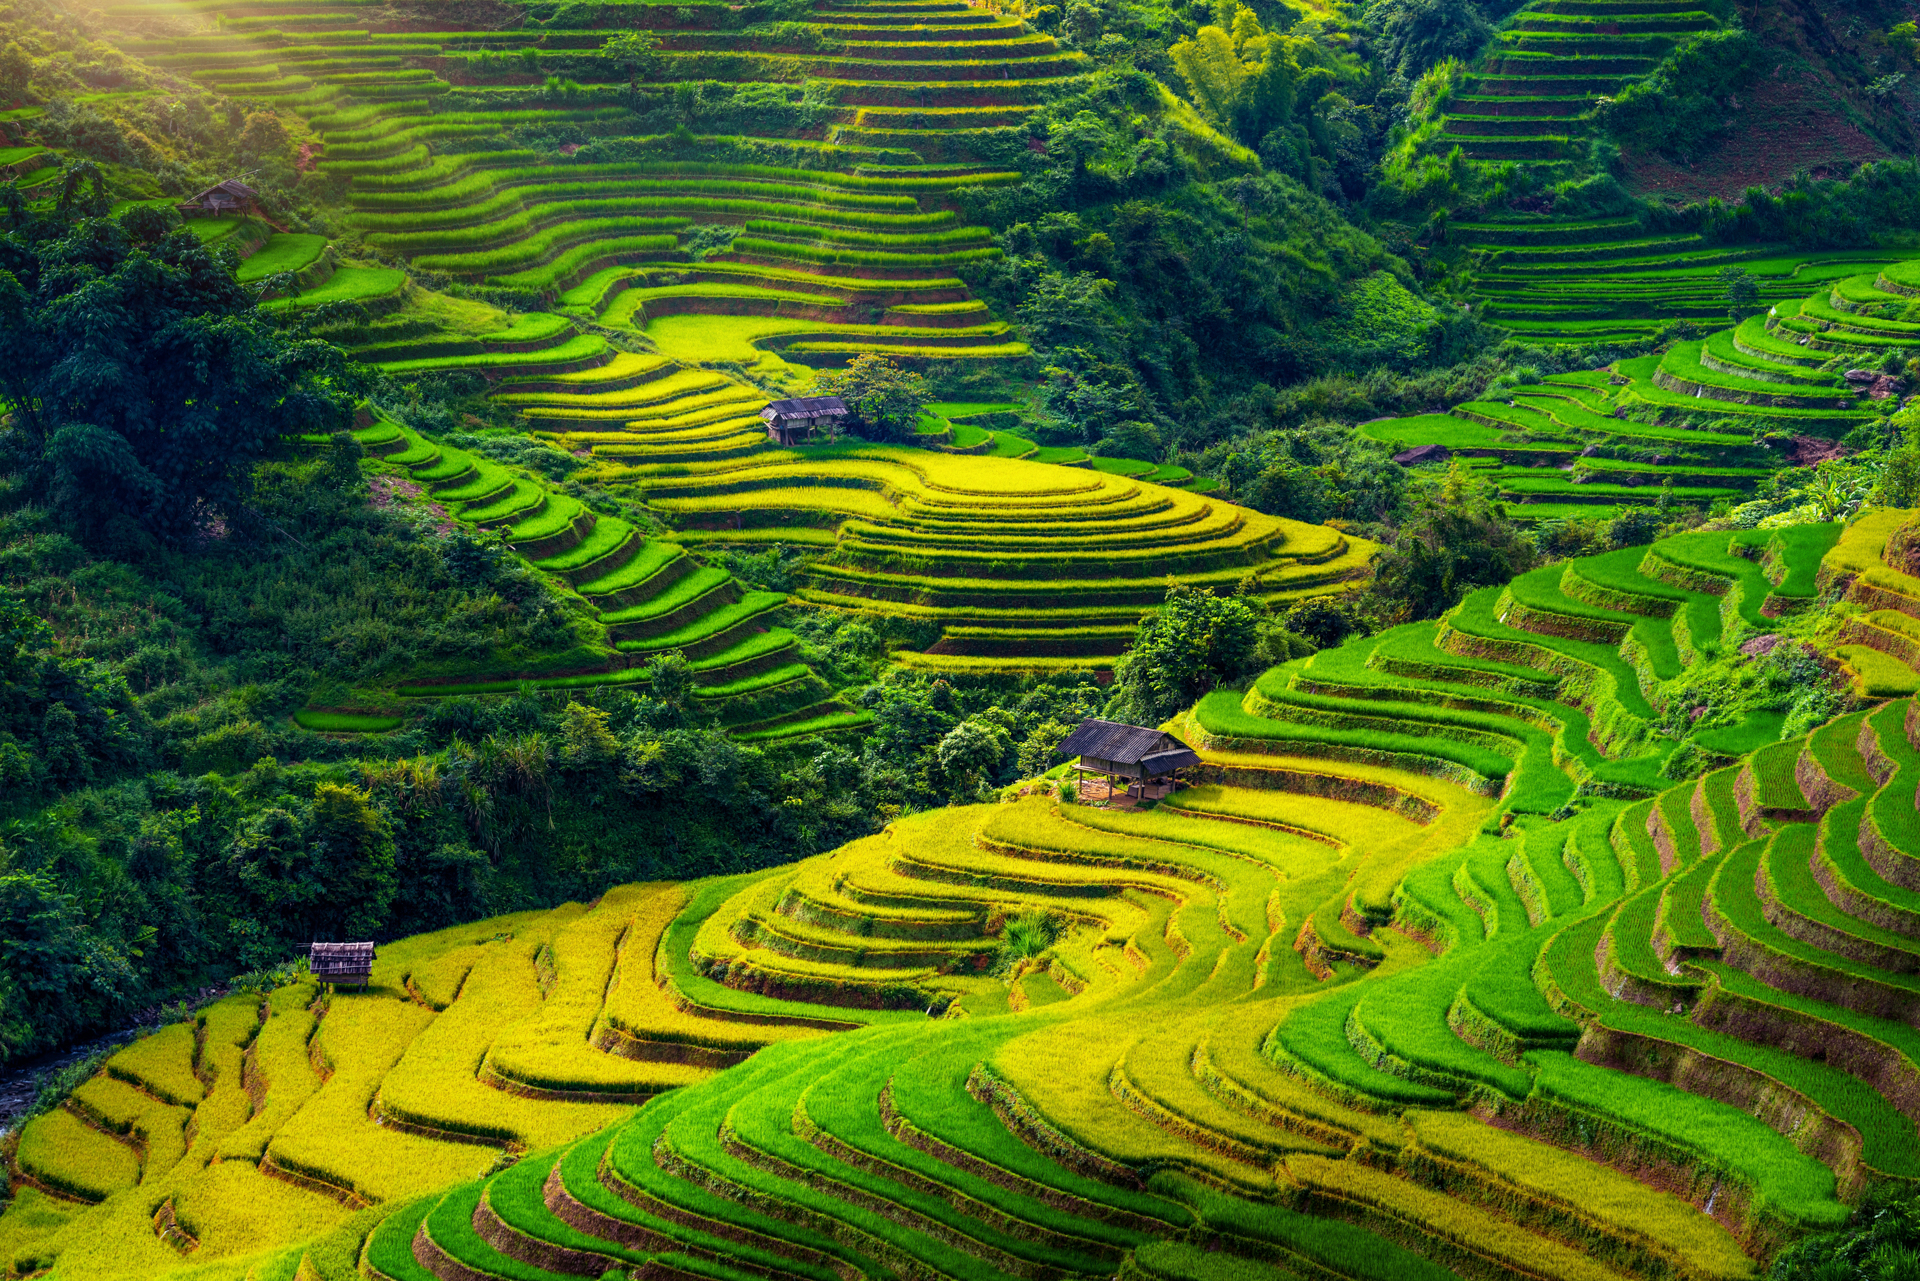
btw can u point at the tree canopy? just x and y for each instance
(141, 382)
(1195, 642)
(1455, 541)
(884, 401)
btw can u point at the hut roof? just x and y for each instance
(340, 958)
(1154, 750)
(805, 407)
(1168, 761)
(231, 189)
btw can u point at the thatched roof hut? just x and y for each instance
(341, 962)
(792, 422)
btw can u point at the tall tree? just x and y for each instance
(142, 383)
(1195, 642)
(884, 401)
(633, 52)
(1456, 540)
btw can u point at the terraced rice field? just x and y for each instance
(1695, 418)
(648, 595)
(1532, 94)
(651, 276)
(850, 244)
(1532, 98)
(1556, 283)
(1019, 565)
(1420, 883)
(1009, 565)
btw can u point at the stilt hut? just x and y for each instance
(793, 422)
(341, 962)
(221, 200)
(1148, 759)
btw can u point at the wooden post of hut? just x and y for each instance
(1149, 759)
(341, 962)
(793, 422)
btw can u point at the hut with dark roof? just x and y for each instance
(221, 200)
(341, 962)
(792, 422)
(1148, 759)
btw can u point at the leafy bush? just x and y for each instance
(1196, 641)
(884, 402)
(1677, 110)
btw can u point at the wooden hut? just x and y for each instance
(222, 200)
(1148, 759)
(341, 962)
(792, 422)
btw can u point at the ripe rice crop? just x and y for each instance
(434, 1084)
(579, 347)
(233, 1210)
(281, 1058)
(957, 235)
(1221, 713)
(453, 201)
(1293, 856)
(334, 1140)
(636, 1006)
(550, 1048)
(62, 1152)
(1441, 1218)
(479, 234)
(1669, 1226)
(159, 1128)
(1877, 675)
(162, 1063)
(545, 241)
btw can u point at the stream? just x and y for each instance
(20, 1084)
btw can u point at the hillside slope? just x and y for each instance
(1423, 881)
(1807, 107)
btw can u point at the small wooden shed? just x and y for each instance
(341, 962)
(792, 422)
(221, 200)
(1148, 759)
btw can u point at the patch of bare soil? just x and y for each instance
(1809, 112)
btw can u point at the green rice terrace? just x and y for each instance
(1532, 93)
(1533, 97)
(1011, 564)
(1430, 971)
(677, 290)
(1701, 422)
(852, 253)
(1568, 933)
